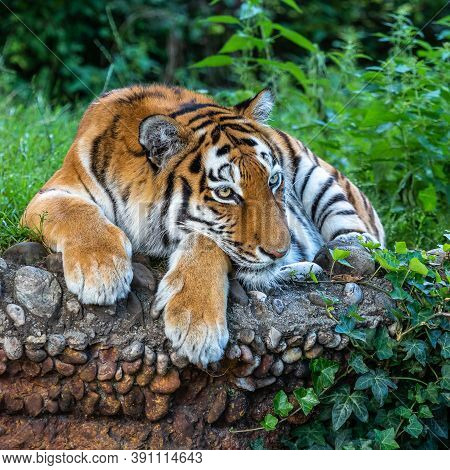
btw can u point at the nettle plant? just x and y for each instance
(394, 390)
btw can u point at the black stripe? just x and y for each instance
(345, 212)
(204, 115)
(319, 196)
(305, 182)
(168, 193)
(186, 193)
(194, 107)
(203, 124)
(324, 214)
(215, 134)
(343, 231)
(223, 150)
(196, 164)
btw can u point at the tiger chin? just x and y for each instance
(170, 173)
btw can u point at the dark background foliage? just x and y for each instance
(115, 43)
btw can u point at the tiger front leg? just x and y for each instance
(96, 253)
(193, 295)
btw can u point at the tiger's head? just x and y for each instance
(226, 171)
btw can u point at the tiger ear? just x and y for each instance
(162, 137)
(259, 107)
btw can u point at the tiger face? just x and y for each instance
(232, 185)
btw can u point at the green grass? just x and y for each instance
(34, 140)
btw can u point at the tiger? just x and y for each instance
(215, 190)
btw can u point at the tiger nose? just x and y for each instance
(275, 253)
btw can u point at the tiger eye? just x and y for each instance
(274, 179)
(224, 192)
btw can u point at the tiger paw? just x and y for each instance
(99, 274)
(195, 324)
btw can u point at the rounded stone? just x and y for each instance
(38, 290)
(166, 384)
(246, 336)
(277, 368)
(25, 253)
(13, 348)
(35, 355)
(89, 403)
(143, 277)
(145, 375)
(106, 370)
(35, 342)
(88, 372)
(109, 406)
(335, 341)
(131, 368)
(314, 352)
(64, 369)
(162, 363)
(273, 338)
(125, 384)
(245, 383)
(245, 370)
(353, 294)
(344, 343)
(278, 305)
(134, 305)
(263, 369)
(156, 405)
(33, 404)
(292, 355)
(258, 295)
(261, 383)
(133, 403)
(54, 263)
(218, 405)
(149, 355)
(258, 346)
(55, 344)
(16, 313)
(324, 337)
(246, 354)
(178, 361)
(316, 299)
(238, 294)
(233, 351)
(72, 356)
(73, 307)
(133, 351)
(76, 339)
(310, 340)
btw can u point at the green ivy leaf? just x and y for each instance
(414, 427)
(445, 381)
(323, 372)
(357, 363)
(416, 348)
(424, 412)
(269, 423)
(306, 398)
(428, 198)
(339, 255)
(358, 402)
(444, 341)
(281, 404)
(378, 381)
(257, 444)
(311, 434)
(403, 412)
(417, 266)
(386, 439)
(346, 326)
(383, 344)
(340, 413)
(400, 248)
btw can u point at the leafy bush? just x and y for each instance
(395, 389)
(385, 125)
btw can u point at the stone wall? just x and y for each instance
(80, 376)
